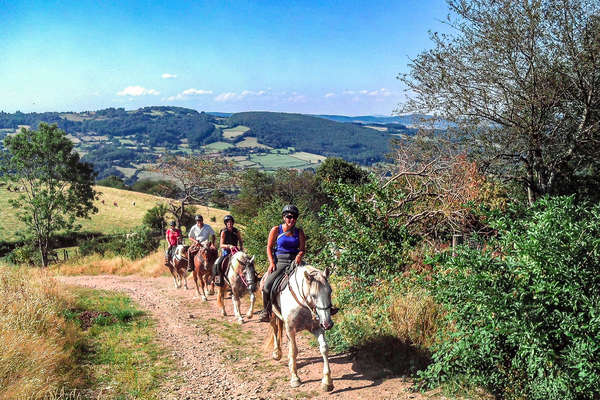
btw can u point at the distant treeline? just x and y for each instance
(316, 135)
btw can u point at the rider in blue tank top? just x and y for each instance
(286, 243)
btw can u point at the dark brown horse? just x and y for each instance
(203, 264)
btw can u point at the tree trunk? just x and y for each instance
(43, 252)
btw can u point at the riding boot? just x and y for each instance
(265, 314)
(217, 276)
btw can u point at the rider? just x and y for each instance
(173, 235)
(200, 234)
(231, 238)
(288, 241)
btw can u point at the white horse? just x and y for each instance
(305, 304)
(241, 277)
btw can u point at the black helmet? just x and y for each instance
(290, 209)
(198, 218)
(172, 223)
(228, 218)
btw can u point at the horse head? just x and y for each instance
(245, 269)
(319, 295)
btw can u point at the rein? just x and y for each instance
(313, 309)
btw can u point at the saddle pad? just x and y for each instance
(279, 284)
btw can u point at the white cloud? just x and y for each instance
(168, 76)
(227, 96)
(377, 93)
(137, 91)
(234, 96)
(187, 93)
(329, 95)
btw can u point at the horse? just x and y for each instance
(178, 266)
(304, 304)
(241, 278)
(203, 263)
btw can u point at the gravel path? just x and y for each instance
(218, 359)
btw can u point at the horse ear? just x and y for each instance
(252, 260)
(327, 272)
(308, 277)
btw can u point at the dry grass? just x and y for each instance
(37, 356)
(151, 266)
(415, 317)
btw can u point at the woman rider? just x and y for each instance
(173, 236)
(230, 238)
(288, 241)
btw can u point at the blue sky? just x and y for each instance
(318, 57)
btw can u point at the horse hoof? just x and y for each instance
(240, 321)
(223, 313)
(249, 315)
(276, 356)
(295, 382)
(204, 298)
(327, 387)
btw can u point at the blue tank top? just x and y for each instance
(287, 244)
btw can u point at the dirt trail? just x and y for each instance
(218, 359)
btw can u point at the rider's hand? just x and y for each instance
(271, 268)
(298, 260)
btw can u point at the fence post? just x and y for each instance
(457, 239)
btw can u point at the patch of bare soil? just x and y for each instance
(219, 359)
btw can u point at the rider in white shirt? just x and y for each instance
(200, 234)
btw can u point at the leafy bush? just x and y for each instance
(140, 243)
(526, 324)
(155, 217)
(25, 254)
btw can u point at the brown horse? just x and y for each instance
(203, 264)
(178, 266)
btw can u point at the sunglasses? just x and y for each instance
(290, 216)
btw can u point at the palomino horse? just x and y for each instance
(178, 266)
(241, 277)
(203, 263)
(305, 304)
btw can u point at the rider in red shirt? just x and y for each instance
(172, 236)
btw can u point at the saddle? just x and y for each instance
(281, 281)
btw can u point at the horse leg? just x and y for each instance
(236, 307)
(174, 274)
(220, 300)
(292, 354)
(251, 310)
(326, 383)
(184, 275)
(275, 326)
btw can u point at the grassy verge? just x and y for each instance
(121, 354)
(58, 342)
(151, 266)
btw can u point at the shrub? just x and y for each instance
(525, 325)
(24, 254)
(140, 243)
(155, 217)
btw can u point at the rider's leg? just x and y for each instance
(266, 295)
(215, 271)
(191, 254)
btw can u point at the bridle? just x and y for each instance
(311, 307)
(241, 274)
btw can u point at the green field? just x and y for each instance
(275, 161)
(217, 146)
(109, 219)
(235, 132)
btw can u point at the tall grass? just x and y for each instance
(38, 348)
(152, 266)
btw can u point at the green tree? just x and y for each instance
(519, 83)
(114, 182)
(338, 170)
(57, 186)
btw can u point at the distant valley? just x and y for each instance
(126, 143)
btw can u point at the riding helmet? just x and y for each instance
(198, 218)
(228, 218)
(172, 223)
(290, 209)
